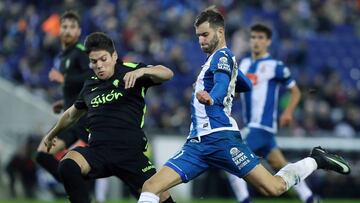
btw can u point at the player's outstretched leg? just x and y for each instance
(328, 161)
(293, 173)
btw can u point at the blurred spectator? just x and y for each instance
(22, 167)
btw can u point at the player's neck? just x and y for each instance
(64, 46)
(217, 48)
(256, 56)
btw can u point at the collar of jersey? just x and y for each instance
(265, 57)
(69, 48)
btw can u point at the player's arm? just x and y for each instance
(221, 65)
(157, 74)
(283, 75)
(70, 116)
(218, 92)
(243, 84)
(287, 116)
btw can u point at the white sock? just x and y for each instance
(101, 186)
(303, 191)
(293, 173)
(239, 187)
(148, 197)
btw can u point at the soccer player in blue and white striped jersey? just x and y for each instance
(214, 138)
(260, 108)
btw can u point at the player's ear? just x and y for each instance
(115, 56)
(221, 31)
(269, 42)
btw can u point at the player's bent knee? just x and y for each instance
(151, 186)
(273, 190)
(42, 157)
(41, 148)
(147, 186)
(68, 168)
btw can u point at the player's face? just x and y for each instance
(208, 37)
(103, 63)
(69, 31)
(259, 43)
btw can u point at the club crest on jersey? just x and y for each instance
(286, 72)
(116, 83)
(239, 158)
(234, 151)
(224, 64)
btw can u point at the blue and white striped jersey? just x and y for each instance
(260, 105)
(208, 119)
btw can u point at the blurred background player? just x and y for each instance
(260, 108)
(22, 167)
(70, 71)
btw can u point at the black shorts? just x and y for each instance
(75, 132)
(130, 165)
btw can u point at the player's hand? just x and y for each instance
(204, 97)
(131, 77)
(56, 76)
(58, 106)
(49, 142)
(286, 119)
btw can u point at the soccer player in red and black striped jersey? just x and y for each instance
(114, 101)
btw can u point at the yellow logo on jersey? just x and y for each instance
(103, 99)
(116, 83)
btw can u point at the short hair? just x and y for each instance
(262, 28)
(71, 15)
(212, 16)
(97, 41)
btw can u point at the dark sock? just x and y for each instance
(74, 183)
(49, 163)
(169, 200)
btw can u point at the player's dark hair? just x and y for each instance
(97, 41)
(262, 28)
(71, 15)
(212, 16)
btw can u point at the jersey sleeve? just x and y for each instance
(243, 84)
(80, 101)
(221, 84)
(221, 65)
(145, 81)
(283, 74)
(222, 62)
